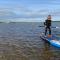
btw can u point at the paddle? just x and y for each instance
(51, 27)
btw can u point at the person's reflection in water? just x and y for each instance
(46, 51)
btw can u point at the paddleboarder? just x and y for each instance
(47, 25)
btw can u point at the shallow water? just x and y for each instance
(21, 41)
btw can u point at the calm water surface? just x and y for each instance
(21, 41)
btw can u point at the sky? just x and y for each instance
(29, 10)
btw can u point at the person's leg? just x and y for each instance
(49, 31)
(45, 30)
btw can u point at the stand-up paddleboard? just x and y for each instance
(53, 40)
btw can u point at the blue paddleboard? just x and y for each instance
(53, 40)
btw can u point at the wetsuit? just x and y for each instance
(47, 24)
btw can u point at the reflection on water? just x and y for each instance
(46, 52)
(21, 41)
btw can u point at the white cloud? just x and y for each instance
(25, 14)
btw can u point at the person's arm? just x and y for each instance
(50, 23)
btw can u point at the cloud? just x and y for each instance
(26, 14)
(55, 2)
(20, 13)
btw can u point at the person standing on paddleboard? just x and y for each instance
(47, 25)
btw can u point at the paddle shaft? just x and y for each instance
(51, 27)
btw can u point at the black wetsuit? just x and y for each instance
(47, 23)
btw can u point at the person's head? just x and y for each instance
(49, 17)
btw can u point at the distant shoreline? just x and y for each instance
(21, 22)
